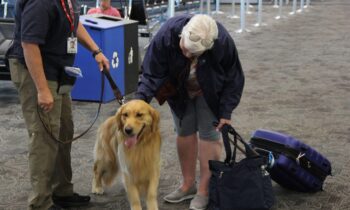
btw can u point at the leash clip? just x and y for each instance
(122, 100)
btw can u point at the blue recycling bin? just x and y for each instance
(118, 40)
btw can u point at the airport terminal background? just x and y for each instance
(296, 63)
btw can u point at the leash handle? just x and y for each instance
(120, 98)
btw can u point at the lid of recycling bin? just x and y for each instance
(104, 21)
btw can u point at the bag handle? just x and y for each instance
(227, 145)
(248, 151)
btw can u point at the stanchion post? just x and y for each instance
(259, 15)
(279, 16)
(217, 8)
(301, 6)
(294, 9)
(201, 6)
(242, 15)
(307, 3)
(242, 29)
(275, 5)
(128, 10)
(208, 7)
(5, 9)
(171, 8)
(84, 9)
(233, 10)
(247, 7)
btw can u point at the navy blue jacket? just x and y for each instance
(219, 70)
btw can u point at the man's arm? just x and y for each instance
(35, 67)
(86, 40)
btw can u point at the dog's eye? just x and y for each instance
(139, 114)
(125, 114)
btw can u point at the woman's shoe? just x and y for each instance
(199, 202)
(178, 195)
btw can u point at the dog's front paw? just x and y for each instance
(96, 186)
(97, 190)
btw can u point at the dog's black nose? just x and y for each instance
(128, 130)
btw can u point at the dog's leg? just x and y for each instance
(104, 173)
(97, 180)
(133, 193)
(151, 200)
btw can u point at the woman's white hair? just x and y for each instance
(199, 34)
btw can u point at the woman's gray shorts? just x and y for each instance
(197, 117)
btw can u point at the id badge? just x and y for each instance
(72, 45)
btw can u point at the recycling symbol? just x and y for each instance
(115, 60)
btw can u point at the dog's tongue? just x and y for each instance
(130, 141)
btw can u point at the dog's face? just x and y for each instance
(136, 119)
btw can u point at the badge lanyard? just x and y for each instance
(71, 16)
(72, 42)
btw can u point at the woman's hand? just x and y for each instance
(222, 123)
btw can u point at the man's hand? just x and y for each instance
(32, 55)
(222, 123)
(45, 100)
(86, 40)
(102, 61)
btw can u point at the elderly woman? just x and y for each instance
(196, 59)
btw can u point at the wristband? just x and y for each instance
(96, 52)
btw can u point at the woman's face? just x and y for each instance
(185, 52)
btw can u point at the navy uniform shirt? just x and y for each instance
(44, 22)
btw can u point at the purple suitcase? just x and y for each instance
(297, 166)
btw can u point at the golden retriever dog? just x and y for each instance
(129, 143)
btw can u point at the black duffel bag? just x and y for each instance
(243, 185)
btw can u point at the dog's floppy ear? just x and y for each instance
(118, 117)
(155, 117)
